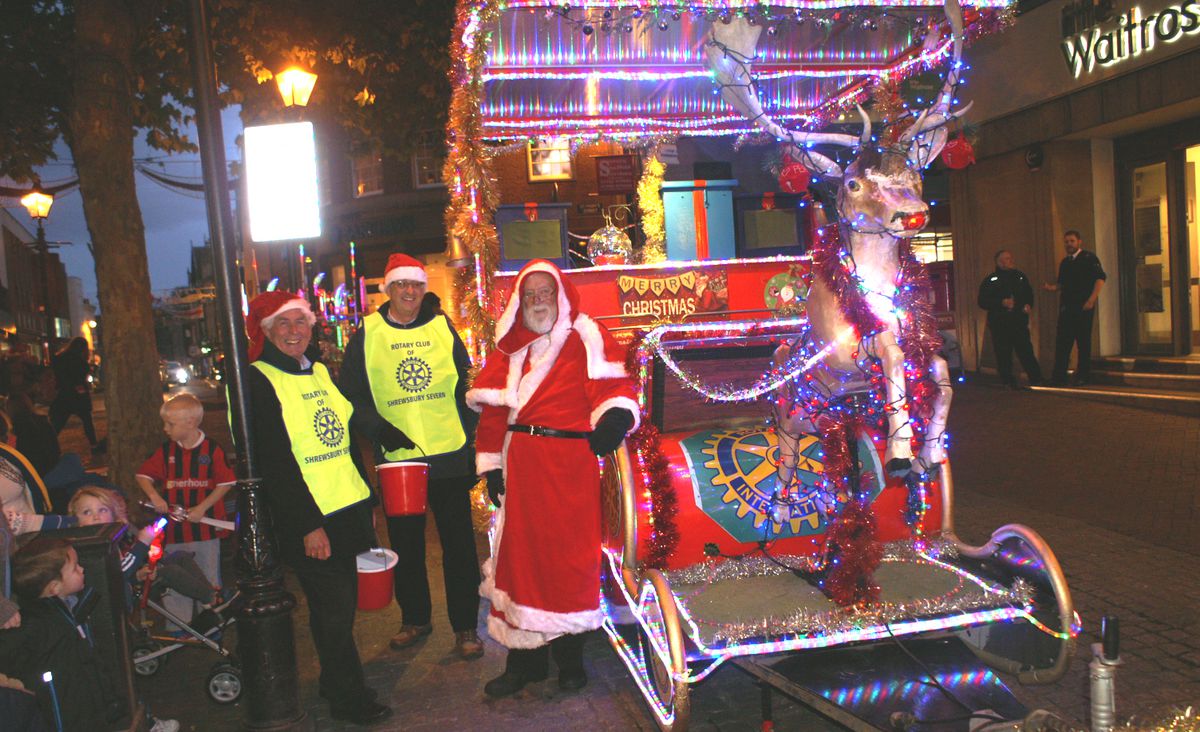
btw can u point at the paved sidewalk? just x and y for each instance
(1113, 490)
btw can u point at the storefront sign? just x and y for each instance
(673, 297)
(1129, 36)
(616, 174)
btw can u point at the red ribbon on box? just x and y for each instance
(531, 211)
(768, 202)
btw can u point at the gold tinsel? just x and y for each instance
(1172, 719)
(481, 507)
(650, 205)
(467, 173)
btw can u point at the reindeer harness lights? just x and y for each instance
(865, 305)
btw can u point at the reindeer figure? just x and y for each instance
(879, 203)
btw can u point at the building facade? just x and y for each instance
(1089, 119)
(29, 283)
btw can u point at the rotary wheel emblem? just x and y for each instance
(328, 427)
(746, 462)
(413, 374)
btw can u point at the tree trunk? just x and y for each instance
(101, 132)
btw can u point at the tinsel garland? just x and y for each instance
(1167, 719)
(650, 206)
(656, 475)
(806, 622)
(467, 172)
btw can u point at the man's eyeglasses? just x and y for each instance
(407, 284)
(542, 293)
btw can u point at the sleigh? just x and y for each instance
(701, 568)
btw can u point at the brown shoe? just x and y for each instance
(467, 645)
(409, 635)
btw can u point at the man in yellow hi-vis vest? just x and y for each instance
(315, 488)
(406, 369)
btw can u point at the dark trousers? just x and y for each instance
(1074, 329)
(449, 499)
(62, 409)
(331, 587)
(1010, 332)
(534, 663)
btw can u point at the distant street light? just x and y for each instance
(295, 86)
(38, 205)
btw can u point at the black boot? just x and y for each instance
(523, 666)
(568, 654)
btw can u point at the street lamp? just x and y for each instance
(295, 87)
(38, 205)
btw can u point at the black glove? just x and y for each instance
(495, 485)
(610, 430)
(392, 438)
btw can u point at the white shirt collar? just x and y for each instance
(199, 440)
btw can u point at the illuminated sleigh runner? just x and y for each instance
(704, 487)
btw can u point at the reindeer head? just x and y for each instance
(880, 191)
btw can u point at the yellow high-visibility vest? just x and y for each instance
(413, 378)
(317, 419)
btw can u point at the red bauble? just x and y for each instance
(958, 153)
(794, 178)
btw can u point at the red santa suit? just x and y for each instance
(543, 577)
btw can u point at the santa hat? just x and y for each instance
(511, 333)
(264, 309)
(402, 267)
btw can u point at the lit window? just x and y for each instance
(549, 159)
(427, 161)
(933, 247)
(368, 175)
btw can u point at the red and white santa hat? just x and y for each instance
(263, 310)
(402, 267)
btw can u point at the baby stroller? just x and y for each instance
(206, 630)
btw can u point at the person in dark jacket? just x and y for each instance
(74, 395)
(407, 368)
(1080, 279)
(315, 489)
(1007, 297)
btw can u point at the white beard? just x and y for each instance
(540, 319)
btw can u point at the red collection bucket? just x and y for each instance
(375, 578)
(403, 486)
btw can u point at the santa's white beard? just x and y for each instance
(539, 319)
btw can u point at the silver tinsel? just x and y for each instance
(967, 597)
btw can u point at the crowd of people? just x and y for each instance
(552, 396)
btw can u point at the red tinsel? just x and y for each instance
(827, 264)
(656, 471)
(854, 556)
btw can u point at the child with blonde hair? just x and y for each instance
(191, 470)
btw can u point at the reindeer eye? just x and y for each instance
(853, 185)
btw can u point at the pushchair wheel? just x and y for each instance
(147, 667)
(224, 683)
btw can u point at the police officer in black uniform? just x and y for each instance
(1080, 279)
(1007, 297)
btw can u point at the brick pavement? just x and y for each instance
(1112, 489)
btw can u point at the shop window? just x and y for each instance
(549, 159)
(428, 159)
(367, 175)
(933, 247)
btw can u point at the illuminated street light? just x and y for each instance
(295, 86)
(38, 205)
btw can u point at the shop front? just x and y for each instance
(1089, 119)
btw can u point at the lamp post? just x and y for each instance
(266, 638)
(295, 88)
(38, 205)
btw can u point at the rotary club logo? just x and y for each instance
(745, 464)
(413, 374)
(328, 427)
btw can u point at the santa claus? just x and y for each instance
(553, 395)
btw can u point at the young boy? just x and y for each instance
(193, 471)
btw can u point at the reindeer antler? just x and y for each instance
(924, 139)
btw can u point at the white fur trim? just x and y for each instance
(414, 274)
(593, 343)
(513, 309)
(510, 637)
(545, 621)
(487, 461)
(477, 398)
(618, 402)
(523, 387)
(295, 303)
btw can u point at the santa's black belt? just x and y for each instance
(538, 431)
